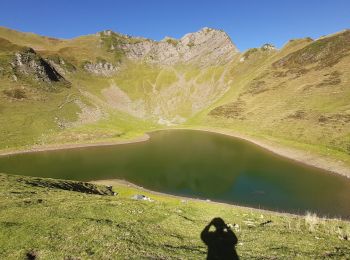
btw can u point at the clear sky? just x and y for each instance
(249, 23)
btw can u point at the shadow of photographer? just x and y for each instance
(221, 242)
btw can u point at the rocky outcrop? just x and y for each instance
(205, 47)
(101, 68)
(83, 187)
(29, 63)
(268, 47)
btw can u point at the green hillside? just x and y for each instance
(298, 96)
(42, 218)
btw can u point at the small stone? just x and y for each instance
(141, 197)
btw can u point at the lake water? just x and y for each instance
(201, 165)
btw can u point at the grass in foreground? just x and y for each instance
(54, 223)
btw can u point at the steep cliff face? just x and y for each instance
(205, 47)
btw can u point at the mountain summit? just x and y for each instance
(205, 47)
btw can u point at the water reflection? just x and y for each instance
(198, 164)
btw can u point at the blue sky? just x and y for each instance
(249, 23)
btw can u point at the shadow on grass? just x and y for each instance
(221, 242)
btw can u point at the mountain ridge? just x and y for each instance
(140, 46)
(122, 85)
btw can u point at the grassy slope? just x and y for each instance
(74, 224)
(304, 104)
(29, 39)
(33, 118)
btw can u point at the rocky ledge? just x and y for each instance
(29, 63)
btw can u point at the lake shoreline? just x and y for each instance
(143, 138)
(307, 158)
(113, 182)
(54, 147)
(122, 182)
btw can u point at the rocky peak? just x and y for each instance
(205, 47)
(208, 46)
(268, 47)
(107, 33)
(204, 35)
